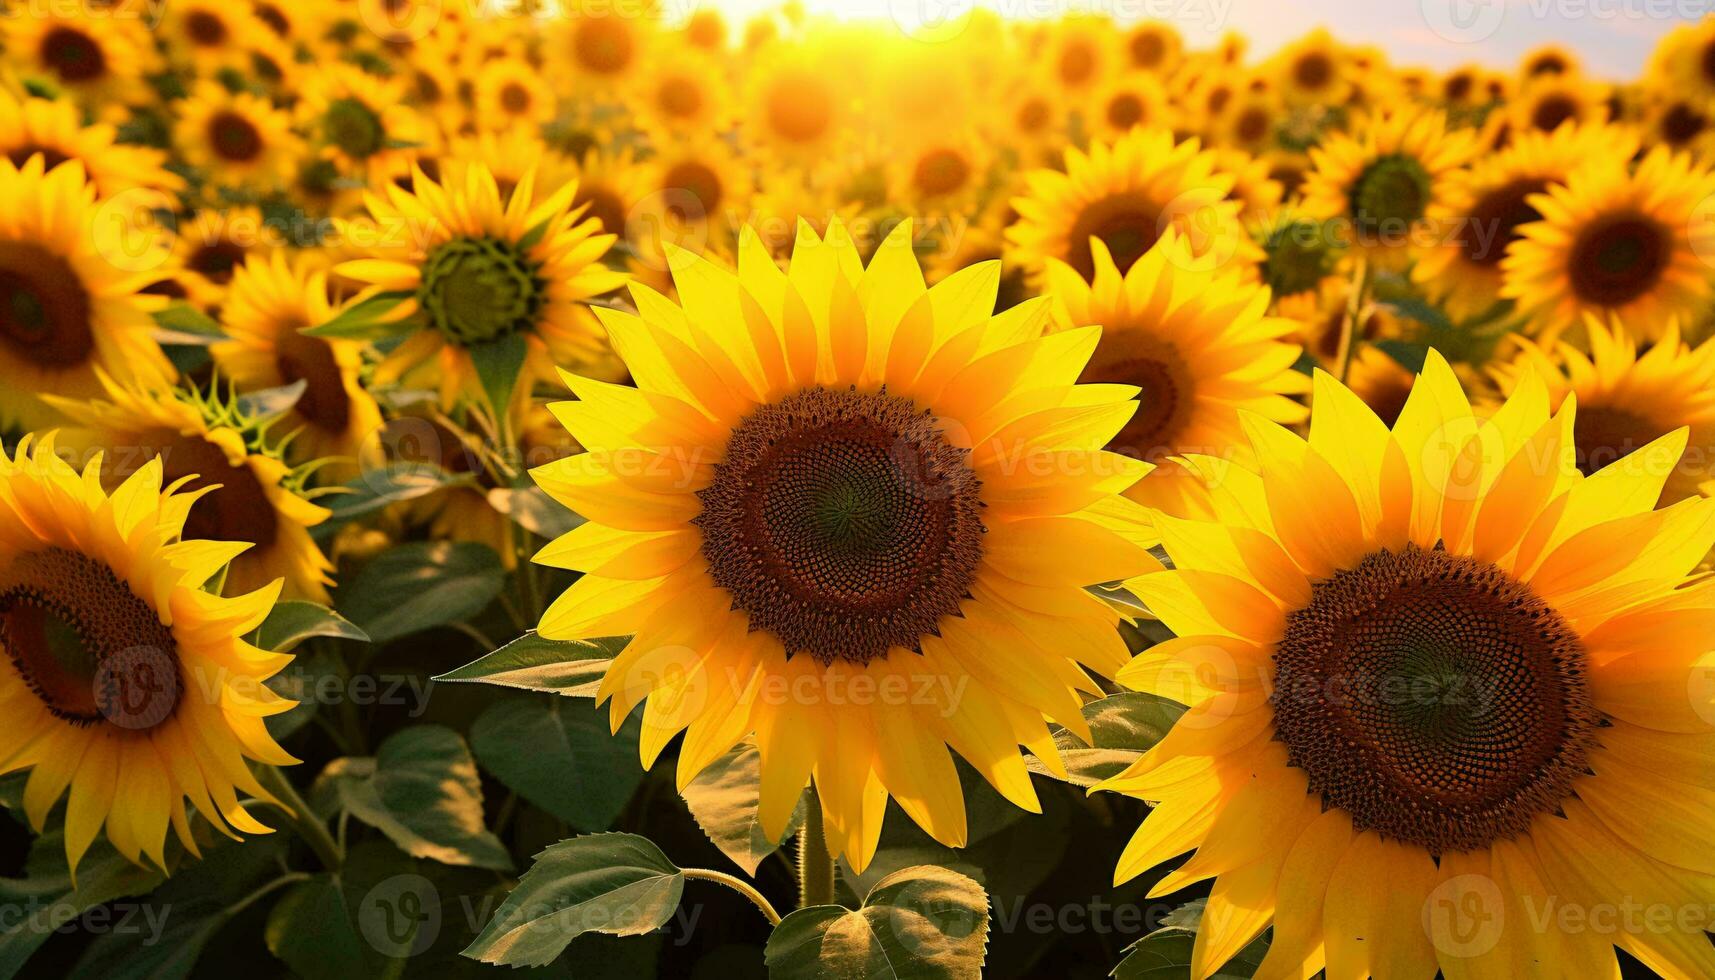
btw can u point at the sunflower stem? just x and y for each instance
(739, 885)
(1349, 322)
(303, 819)
(815, 864)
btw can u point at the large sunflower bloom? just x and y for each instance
(1200, 347)
(480, 270)
(71, 301)
(251, 503)
(1438, 682)
(238, 140)
(1126, 194)
(816, 490)
(124, 681)
(1615, 241)
(1629, 395)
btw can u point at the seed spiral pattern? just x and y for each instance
(1434, 699)
(844, 523)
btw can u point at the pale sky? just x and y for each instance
(1613, 37)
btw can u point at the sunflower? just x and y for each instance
(706, 30)
(212, 243)
(797, 109)
(441, 89)
(603, 47)
(1383, 180)
(1127, 101)
(1348, 620)
(1153, 46)
(123, 680)
(269, 302)
(1549, 101)
(857, 410)
(480, 270)
(269, 59)
(511, 94)
(1313, 70)
(612, 187)
(1081, 54)
(1197, 343)
(1679, 124)
(361, 121)
(1479, 215)
(1029, 121)
(1126, 194)
(96, 58)
(209, 445)
(202, 33)
(684, 95)
(1629, 395)
(1380, 381)
(55, 129)
(1616, 241)
(1684, 63)
(1549, 59)
(1248, 122)
(238, 140)
(71, 300)
(941, 174)
(699, 193)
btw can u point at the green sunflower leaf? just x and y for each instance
(380, 488)
(921, 923)
(619, 884)
(558, 755)
(1124, 725)
(421, 790)
(367, 319)
(43, 902)
(421, 585)
(532, 662)
(294, 620)
(725, 798)
(1165, 954)
(182, 323)
(498, 365)
(533, 510)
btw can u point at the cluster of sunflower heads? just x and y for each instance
(1022, 498)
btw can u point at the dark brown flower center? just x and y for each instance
(1128, 224)
(51, 157)
(44, 310)
(514, 98)
(1496, 218)
(1147, 49)
(1606, 433)
(239, 510)
(234, 137)
(1314, 70)
(941, 172)
(325, 402)
(603, 205)
(88, 647)
(1252, 125)
(1165, 401)
(844, 523)
(694, 190)
(1552, 111)
(73, 55)
(1682, 123)
(1077, 64)
(1433, 698)
(216, 260)
(1125, 110)
(205, 29)
(1618, 258)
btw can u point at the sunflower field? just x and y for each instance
(645, 488)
